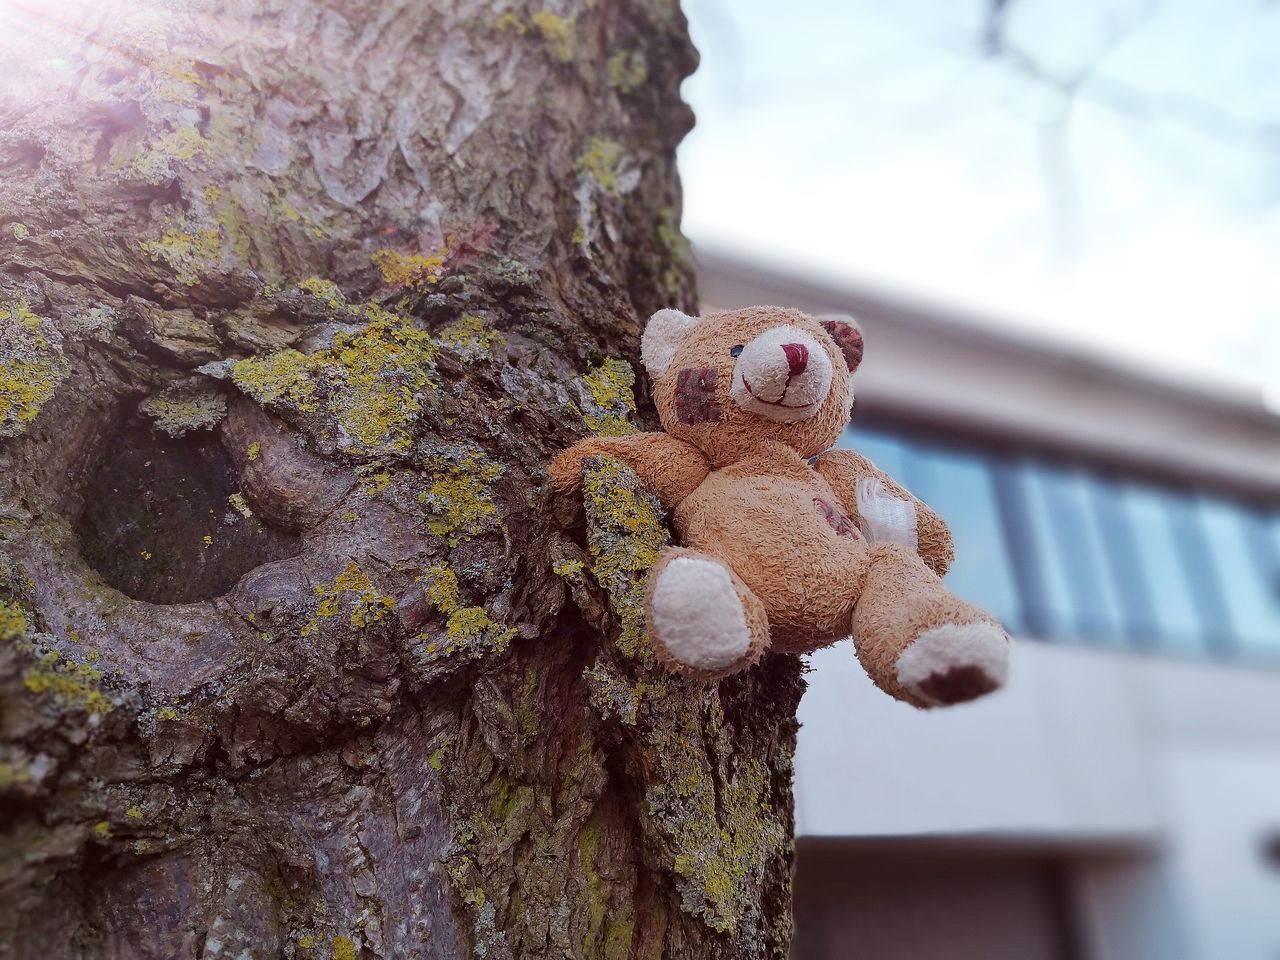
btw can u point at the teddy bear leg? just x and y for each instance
(703, 620)
(918, 641)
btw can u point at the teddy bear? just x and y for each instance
(787, 544)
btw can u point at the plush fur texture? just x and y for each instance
(778, 553)
(669, 467)
(703, 620)
(945, 658)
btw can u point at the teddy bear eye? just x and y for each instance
(734, 351)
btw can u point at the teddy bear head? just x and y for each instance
(730, 382)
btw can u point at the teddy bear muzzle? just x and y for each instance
(783, 375)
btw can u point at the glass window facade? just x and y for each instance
(1249, 568)
(959, 487)
(1065, 553)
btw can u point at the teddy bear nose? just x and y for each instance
(797, 357)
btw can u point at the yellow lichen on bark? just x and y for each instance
(443, 593)
(189, 249)
(13, 621)
(179, 410)
(31, 366)
(601, 161)
(283, 377)
(408, 270)
(367, 604)
(459, 496)
(469, 630)
(626, 70)
(625, 534)
(557, 33)
(377, 373)
(469, 337)
(367, 385)
(74, 686)
(611, 386)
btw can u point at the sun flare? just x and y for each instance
(60, 35)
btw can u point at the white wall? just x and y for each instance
(1059, 751)
(1224, 801)
(1082, 748)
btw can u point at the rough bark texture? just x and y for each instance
(297, 657)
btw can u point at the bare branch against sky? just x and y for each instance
(1107, 173)
(1134, 101)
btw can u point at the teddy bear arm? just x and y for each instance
(669, 467)
(855, 479)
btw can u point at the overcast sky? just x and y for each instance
(868, 141)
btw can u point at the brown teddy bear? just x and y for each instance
(785, 546)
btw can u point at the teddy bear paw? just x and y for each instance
(697, 622)
(955, 662)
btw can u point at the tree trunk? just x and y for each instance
(298, 657)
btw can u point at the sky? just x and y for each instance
(1139, 217)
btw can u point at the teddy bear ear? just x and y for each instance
(844, 330)
(662, 337)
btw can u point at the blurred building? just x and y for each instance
(1120, 799)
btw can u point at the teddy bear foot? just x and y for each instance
(955, 662)
(703, 620)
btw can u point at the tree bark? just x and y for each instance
(298, 656)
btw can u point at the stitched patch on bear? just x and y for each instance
(841, 524)
(848, 339)
(696, 395)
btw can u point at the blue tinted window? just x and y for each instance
(1248, 571)
(1062, 553)
(884, 450)
(1124, 562)
(1268, 543)
(1172, 618)
(959, 487)
(1024, 552)
(1051, 603)
(1271, 541)
(1080, 597)
(1216, 620)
